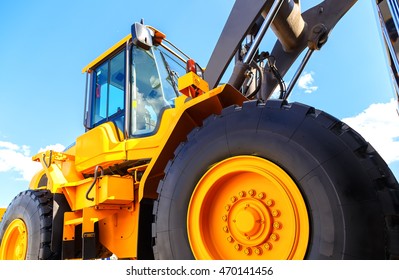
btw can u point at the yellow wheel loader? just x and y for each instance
(174, 165)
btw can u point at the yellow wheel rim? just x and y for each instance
(15, 241)
(247, 207)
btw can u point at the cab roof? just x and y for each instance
(106, 53)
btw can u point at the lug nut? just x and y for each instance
(276, 225)
(274, 237)
(225, 229)
(230, 239)
(261, 195)
(233, 199)
(238, 247)
(275, 213)
(251, 192)
(241, 194)
(258, 251)
(247, 251)
(227, 207)
(224, 218)
(267, 246)
(270, 202)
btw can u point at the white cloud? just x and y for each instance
(56, 147)
(379, 125)
(14, 158)
(306, 81)
(8, 145)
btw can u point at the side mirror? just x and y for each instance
(142, 36)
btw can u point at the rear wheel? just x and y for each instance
(26, 228)
(276, 181)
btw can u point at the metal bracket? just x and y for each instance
(94, 181)
(50, 159)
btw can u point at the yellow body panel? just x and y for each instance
(75, 193)
(99, 146)
(2, 211)
(192, 80)
(115, 190)
(35, 182)
(58, 167)
(121, 233)
(108, 190)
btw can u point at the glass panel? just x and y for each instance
(170, 69)
(148, 99)
(108, 96)
(100, 94)
(154, 87)
(117, 85)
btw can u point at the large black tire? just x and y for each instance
(351, 196)
(35, 209)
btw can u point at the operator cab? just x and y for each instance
(132, 83)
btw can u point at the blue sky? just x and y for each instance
(44, 45)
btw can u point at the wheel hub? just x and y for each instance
(248, 221)
(246, 207)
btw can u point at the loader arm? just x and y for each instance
(387, 12)
(295, 31)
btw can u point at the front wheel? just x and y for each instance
(26, 228)
(276, 181)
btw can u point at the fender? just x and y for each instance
(192, 112)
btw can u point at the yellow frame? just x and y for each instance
(106, 53)
(2, 211)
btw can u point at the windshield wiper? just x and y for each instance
(172, 75)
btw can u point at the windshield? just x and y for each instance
(154, 87)
(170, 69)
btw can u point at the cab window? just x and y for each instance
(108, 94)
